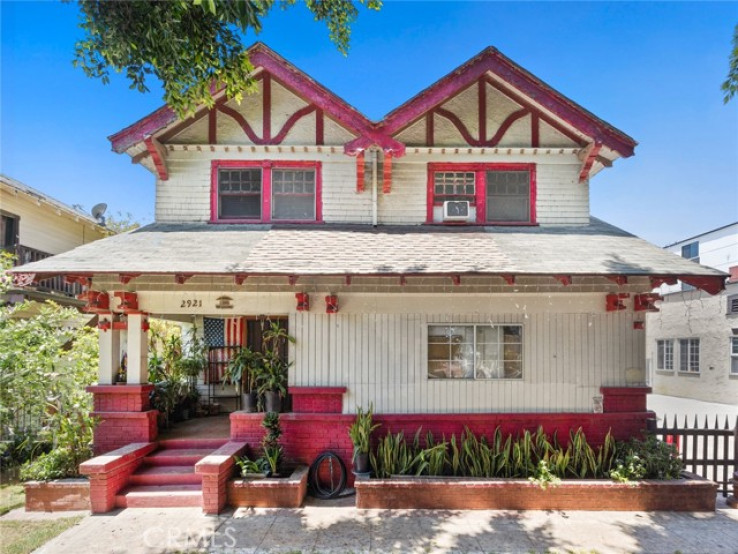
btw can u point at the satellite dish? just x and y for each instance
(98, 211)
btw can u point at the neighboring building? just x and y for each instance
(692, 342)
(34, 226)
(441, 264)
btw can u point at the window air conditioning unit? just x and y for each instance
(456, 210)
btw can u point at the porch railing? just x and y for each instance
(57, 285)
(710, 451)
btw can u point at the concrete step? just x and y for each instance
(178, 444)
(167, 496)
(165, 475)
(177, 456)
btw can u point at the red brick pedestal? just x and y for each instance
(624, 399)
(317, 400)
(124, 416)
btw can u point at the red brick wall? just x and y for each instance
(679, 495)
(123, 416)
(269, 493)
(624, 399)
(57, 496)
(317, 400)
(305, 436)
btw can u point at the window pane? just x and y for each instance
(508, 196)
(450, 352)
(293, 194)
(239, 193)
(448, 185)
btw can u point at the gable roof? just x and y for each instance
(492, 60)
(261, 57)
(380, 133)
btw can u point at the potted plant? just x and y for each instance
(360, 432)
(272, 458)
(246, 366)
(273, 375)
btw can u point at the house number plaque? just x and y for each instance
(191, 303)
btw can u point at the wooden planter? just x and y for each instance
(269, 493)
(689, 494)
(60, 495)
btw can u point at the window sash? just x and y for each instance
(475, 352)
(240, 193)
(689, 355)
(293, 194)
(454, 185)
(734, 355)
(665, 355)
(507, 196)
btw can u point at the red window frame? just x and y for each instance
(480, 196)
(266, 167)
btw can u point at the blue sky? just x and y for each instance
(651, 69)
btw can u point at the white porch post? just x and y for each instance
(138, 350)
(109, 342)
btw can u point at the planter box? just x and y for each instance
(61, 495)
(689, 494)
(269, 493)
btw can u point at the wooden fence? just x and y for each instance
(710, 451)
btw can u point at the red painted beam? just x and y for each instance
(588, 158)
(292, 280)
(456, 280)
(387, 173)
(360, 172)
(126, 278)
(158, 156)
(563, 279)
(239, 278)
(710, 284)
(617, 279)
(656, 282)
(181, 278)
(509, 279)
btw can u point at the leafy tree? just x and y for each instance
(46, 361)
(189, 44)
(730, 86)
(121, 223)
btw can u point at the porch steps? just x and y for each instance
(167, 477)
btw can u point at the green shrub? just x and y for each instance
(57, 464)
(646, 459)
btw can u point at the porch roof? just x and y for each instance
(205, 249)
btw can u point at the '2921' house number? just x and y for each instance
(191, 303)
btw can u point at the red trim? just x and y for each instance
(480, 198)
(239, 278)
(303, 301)
(535, 130)
(242, 122)
(456, 280)
(128, 301)
(126, 278)
(360, 169)
(294, 118)
(292, 280)
(533, 109)
(347, 280)
(563, 279)
(656, 282)
(639, 325)
(157, 156)
(319, 127)
(482, 110)
(646, 302)
(429, 139)
(710, 284)
(213, 126)
(331, 304)
(590, 155)
(387, 173)
(182, 278)
(614, 302)
(266, 188)
(509, 279)
(618, 279)
(493, 61)
(266, 111)
(460, 127)
(512, 118)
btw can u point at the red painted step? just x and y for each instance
(167, 496)
(165, 475)
(177, 456)
(213, 444)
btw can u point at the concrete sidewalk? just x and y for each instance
(336, 526)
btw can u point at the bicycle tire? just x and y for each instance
(316, 487)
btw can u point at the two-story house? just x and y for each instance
(441, 264)
(692, 342)
(34, 226)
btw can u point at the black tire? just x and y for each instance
(318, 489)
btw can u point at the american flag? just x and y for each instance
(224, 332)
(220, 333)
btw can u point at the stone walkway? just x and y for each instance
(338, 527)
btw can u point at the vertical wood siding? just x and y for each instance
(381, 358)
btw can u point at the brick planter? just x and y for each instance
(61, 495)
(269, 493)
(689, 494)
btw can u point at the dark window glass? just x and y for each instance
(239, 193)
(508, 196)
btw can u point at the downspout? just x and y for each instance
(374, 186)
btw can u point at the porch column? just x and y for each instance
(138, 349)
(109, 342)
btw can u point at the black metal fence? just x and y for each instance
(710, 450)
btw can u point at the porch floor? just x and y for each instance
(210, 427)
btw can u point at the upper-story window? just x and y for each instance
(8, 231)
(494, 194)
(265, 191)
